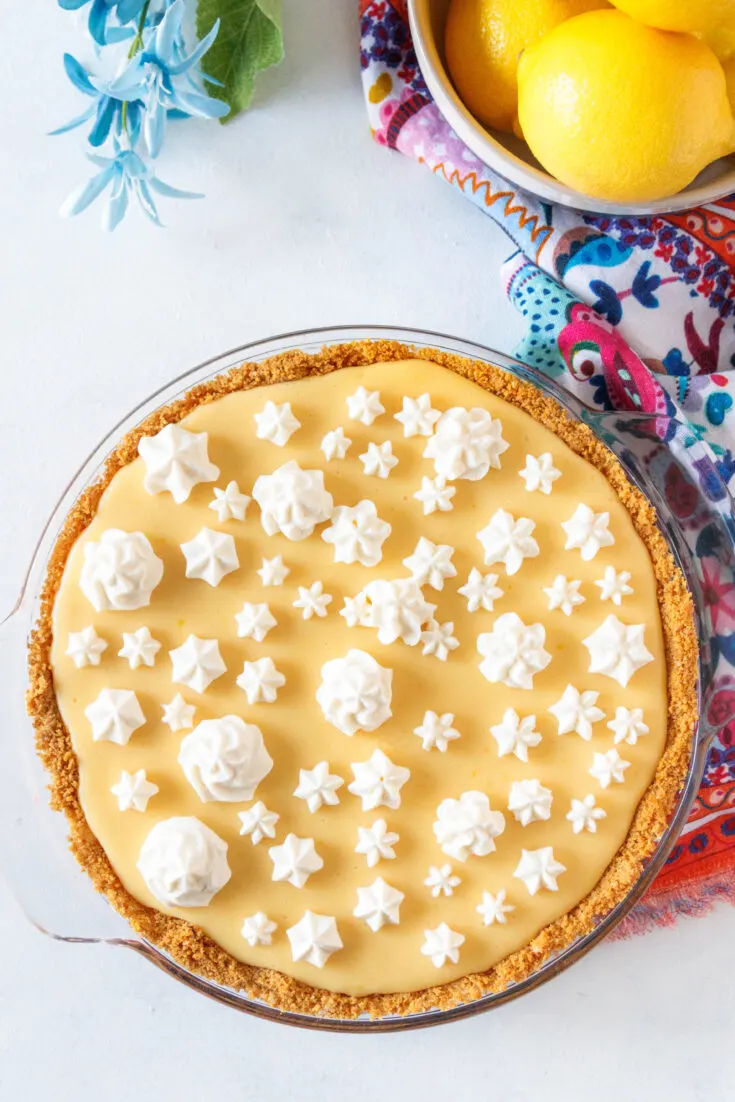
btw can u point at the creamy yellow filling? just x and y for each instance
(296, 733)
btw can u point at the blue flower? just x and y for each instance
(164, 79)
(126, 11)
(125, 174)
(106, 110)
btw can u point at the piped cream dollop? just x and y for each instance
(292, 501)
(120, 571)
(468, 826)
(176, 460)
(355, 692)
(466, 444)
(225, 759)
(183, 862)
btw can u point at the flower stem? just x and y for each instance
(138, 40)
(135, 46)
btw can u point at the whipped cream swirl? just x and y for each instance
(468, 826)
(397, 609)
(120, 572)
(292, 501)
(225, 759)
(466, 444)
(357, 534)
(183, 862)
(355, 692)
(176, 460)
(618, 650)
(513, 652)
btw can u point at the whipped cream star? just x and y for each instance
(183, 862)
(318, 786)
(435, 495)
(618, 650)
(355, 692)
(529, 801)
(493, 908)
(379, 905)
(312, 600)
(357, 534)
(295, 860)
(438, 639)
(577, 711)
(260, 681)
(139, 647)
(273, 572)
(115, 715)
(441, 881)
(468, 826)
(197, 663)
(335, 444)
(177, 461)
(431, 563)
(378, 460)
(628, 725)
(314, 939)
(210, 556)
(254, 621)
(258, 929)
(515, 735)
(292, 501)
(85, 647)
(480, 591)
(538, 868)
(397, 609)
(364, 406)
(378, 782)
(588, 531)
(120, 571)
(466, 444)
(258, 822)
(585, 815)
(540, 474)
(564, 595)
(436, 732)
(608, 767)
(178, 715)
(614, 586)
(133, 791)
(513, 652)
(417, 416)
(356, 611)
(225, 759)
(508, 540)
(229, 504)
(376, 843)
(276, 424)
(442, 944)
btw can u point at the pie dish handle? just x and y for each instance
(50, 888)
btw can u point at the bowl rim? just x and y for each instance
(497, 158)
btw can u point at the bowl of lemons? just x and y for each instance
(623, 108)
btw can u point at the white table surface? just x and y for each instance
(307, 222)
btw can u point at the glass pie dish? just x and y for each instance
(55, 894)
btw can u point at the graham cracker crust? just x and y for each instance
(187, 944)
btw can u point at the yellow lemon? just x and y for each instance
(483, 41)
(621, 111)
(729, 68)
(722, 41)
(679, 15)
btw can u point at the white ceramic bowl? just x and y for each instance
(511, 157)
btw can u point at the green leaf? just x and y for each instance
(250, 39)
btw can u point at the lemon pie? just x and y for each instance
(365, 679)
